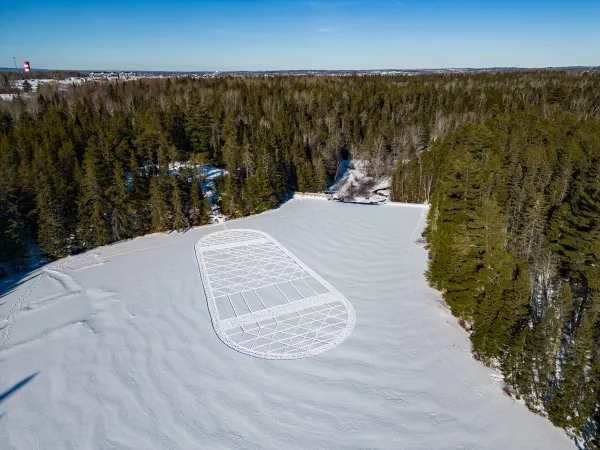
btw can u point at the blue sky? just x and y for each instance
(289, 34)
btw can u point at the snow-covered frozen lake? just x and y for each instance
(115, 349)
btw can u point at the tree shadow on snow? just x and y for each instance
(11, 283)
(17, 387)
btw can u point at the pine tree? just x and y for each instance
(517, 367)
(321, 176)
(258, 193)
(275, 171)
(179, 219)
(306, 177)
(160, 208)
(93, 228)
(199, 207)
(137, 197)
(230, 195)
(197, 126)
(120, 218)
(570, 406)
(53, 236)
(578, 231)
(13, 238)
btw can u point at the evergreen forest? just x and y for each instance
(509, 162)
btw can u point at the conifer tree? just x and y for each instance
(259, 194)
(53, 236)
(159, 205)
(197, 126)
(13, 243)
(120, 215)
(137, 196)
(93, 228)
(179, 219)
(321, 176)
(306, 177)
(199, 206)
(573, 400)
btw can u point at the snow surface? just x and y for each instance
(115, 349)
(36, 83)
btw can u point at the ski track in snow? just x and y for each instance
(54, 269)
(16, 308)
(127, 356)
(433, 347)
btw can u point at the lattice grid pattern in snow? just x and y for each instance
(265, 302)
(249, 267)
(231, 237)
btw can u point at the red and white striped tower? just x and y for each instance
(26, 65)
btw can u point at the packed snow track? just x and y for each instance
(265, 302)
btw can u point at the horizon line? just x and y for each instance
(12, 69)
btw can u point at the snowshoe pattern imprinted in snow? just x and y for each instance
(265, 302)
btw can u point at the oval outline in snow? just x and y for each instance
(329, 309)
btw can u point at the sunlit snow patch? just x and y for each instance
(265, 302)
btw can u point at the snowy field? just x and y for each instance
(116, 349)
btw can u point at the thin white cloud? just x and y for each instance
(400, 3)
